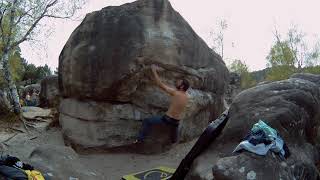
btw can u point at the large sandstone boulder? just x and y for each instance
(290, 106)
(49, 95)
(106, 82)
(31, 87)
(61, 162)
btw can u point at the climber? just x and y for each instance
(172, 117)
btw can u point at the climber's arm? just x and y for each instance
(158, 81)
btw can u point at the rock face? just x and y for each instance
(49, 95)
(292, 108)
(106, 82)
(31, 113)
(32, 87)
(60, 162)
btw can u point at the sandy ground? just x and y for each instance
(112, 165)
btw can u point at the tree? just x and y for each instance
(280, 55)
(30, 73)
(281, 62)
(290, 55)
(218, 37)
(242, 69)
(35, 74)
(298, 46)
(314, 56)
(16, 68)
(43, 71)
(18, 20)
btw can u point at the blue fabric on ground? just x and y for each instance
(261, 139)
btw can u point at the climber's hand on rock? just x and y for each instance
(154, 68)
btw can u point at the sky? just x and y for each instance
(249, 35)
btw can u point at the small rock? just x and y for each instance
(251, 175)
(283, 164)
(221, 167)
(242, 169)
(93, 174)
(226, 173)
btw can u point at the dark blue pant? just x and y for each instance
(149, 122)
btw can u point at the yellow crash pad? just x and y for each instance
(158, 173)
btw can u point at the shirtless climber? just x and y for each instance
(172, 117)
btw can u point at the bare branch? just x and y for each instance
(278, 37)
(58, 17)
(294, 50)
(35, 23)
(23, 15)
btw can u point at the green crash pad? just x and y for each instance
(158, 173)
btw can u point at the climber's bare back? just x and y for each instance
(179, 97)
(178, 103)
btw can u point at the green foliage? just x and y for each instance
(281, 62)
(291, 55)
(280, 54)
(312, 69)
(242, 69)
(35, 74)
(16, 67)
(238, 66)
(278, 73)
(43, 71)
(247, 81)
(22, 71)
(19, 20)
(30, 72)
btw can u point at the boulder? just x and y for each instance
(31, 87)
(105, 79)
(38, 118)
(31, 113)
(289, 106)
(49, 95)
(61, 162)
(307, 76)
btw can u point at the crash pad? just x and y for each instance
(158, 173)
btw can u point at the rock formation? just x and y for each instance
(49, 95)
(289, 106)
(106, 82)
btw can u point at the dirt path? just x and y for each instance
(114, 166)
(108, 166)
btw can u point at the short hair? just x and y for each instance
(185, 84)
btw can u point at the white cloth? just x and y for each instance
(262, 149)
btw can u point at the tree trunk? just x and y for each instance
(12, 87)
